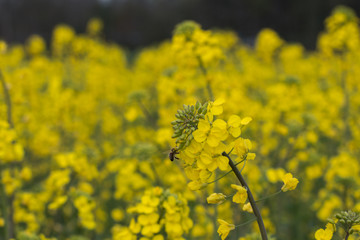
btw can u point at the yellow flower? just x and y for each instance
(290, 183)
(117, 214)
(201, 133)
(211, 134)
(322, 234)
(245, 121)
(216, 198)
(218, 133)
(234, 123)
(241, 195)
(356, 228)
(58, 202)
(224, 228)
(134, 226)
(247, 208)
(242, 146)
(216, 107)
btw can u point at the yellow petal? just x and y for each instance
(219, 101)
(205, 158)
(235, 132)
(234, 121)
(219, 123)
(217, 110)
(213, 141)
(222, 162)
(203, 125)
(246, 120)
(199, 136)
(251, 156)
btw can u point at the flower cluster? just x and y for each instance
(202, 153)
(194, 46)
(11, 149)
(158, 211)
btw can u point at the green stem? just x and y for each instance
(271, 195)
(250, 197)
(247, 222)
(204, 71)
(243, 166)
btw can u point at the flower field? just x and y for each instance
(200, 137)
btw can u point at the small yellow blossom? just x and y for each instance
(117, 214)
(224, 228)
(290, 182)
(246, 121)
(322, 234)
(356, 228)
(242, 146)
(247, 208)
(216, 198)
(241, 195)
(234, 123)
(58, 202)
(216, 107)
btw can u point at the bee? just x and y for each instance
(172, 154)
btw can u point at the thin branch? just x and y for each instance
(250, 197)
(205, 72)
(247, 222)
(267, 197)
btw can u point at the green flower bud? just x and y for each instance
(186, 123)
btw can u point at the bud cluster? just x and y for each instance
(186, 123)
(187, 28)
(348, 219)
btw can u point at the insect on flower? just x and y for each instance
(172, 154)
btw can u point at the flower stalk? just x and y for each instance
(250, 197)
